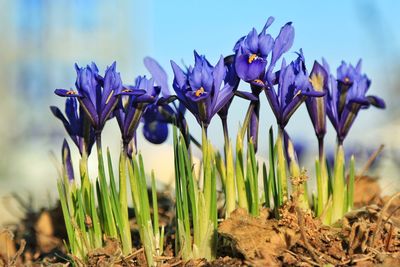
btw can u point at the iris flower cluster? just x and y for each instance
(205, 90)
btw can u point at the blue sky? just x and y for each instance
(336, 30)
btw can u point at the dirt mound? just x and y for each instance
(367, 236)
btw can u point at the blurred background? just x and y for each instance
(42, 39)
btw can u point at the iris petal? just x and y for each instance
(158, 73)
(265, 44)
(270, 20)
(283, 42)
(252, 41)
(180, 77)
(246, 95)
(66, 160)
(155, 132)
(376, 101)
(252, 71)
(67, 93)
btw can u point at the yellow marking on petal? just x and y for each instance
(125, 101)
(298, 93)
(109, 96)
(317, 81)
(259, 81)
(347, 80)
(127, 90)
(199, 91)
(252, 57)
(71, 92)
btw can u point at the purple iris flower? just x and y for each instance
(66, 161)
(293, 89)
(157, 116)
(252, 51)
(316, 106)
(251, 64)
(133, 103)
(155, 124)
(201, 88)
(347, 96)
(97, 95)
(77, 125)
(232, 79)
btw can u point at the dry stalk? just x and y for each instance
(371, 160)
(18, 254)
(303, 236)
(380, 219)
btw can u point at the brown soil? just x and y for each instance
(367, 236)
(364, 236)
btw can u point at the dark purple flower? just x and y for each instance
(252, 51)
(133, 103)
(66, 161)
(316, 106)
(77, 125)
(251, 64)
(201, 88)
(155, 124)
(233, 80)
(157, 116)
(347, 95)
(293, 89)
(97, 95)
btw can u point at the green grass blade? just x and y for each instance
(67, 217)
(121, 203)
(95, 220)
(110, 226)
(156, 229)
(144, 193)
(230, 192)
(240, 176)
(253, 171)
(272, 174)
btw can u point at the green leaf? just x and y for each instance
(240, 178)
(338, 186)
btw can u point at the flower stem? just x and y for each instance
(247, 119)
(225, 129)
(123, 201)
(323, 177)
(84, 173)
(230, 193)
(281, 172)
(338, 185)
